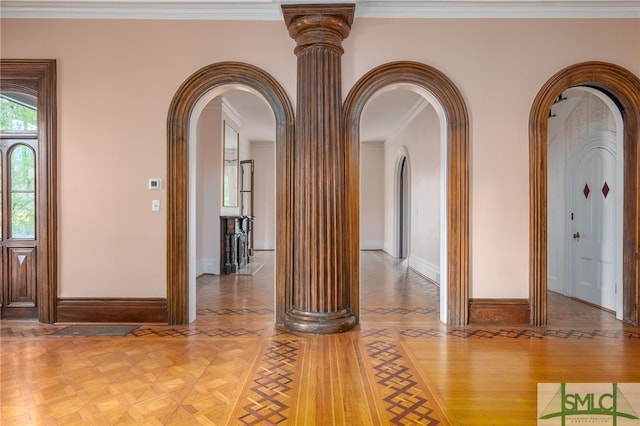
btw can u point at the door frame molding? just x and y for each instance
(178, 120)
(450, 98)
(43, 71)
(624, 88)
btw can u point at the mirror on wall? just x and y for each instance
(230, 188)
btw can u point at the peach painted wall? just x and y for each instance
(116, 79)
(499, 66)
(372, 193)
(419, 141)
(424, 150)
(264, 155)
(209, 188)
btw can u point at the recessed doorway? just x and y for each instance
(454, 201)
(192, 97)
(586, 187)
(622, 88)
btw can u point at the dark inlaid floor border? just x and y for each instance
(399, 311)
(516, 333)
(39, 330)
(231, 311)
(395, 381)
(406, 398)
(267, 401)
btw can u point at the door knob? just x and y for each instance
(576, 236)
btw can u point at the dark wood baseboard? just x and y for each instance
(121, 310)
(499, 311)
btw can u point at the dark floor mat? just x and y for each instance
(95, 330)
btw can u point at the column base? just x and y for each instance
(319, 322)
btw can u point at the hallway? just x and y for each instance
(232, 366)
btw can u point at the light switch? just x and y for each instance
(155, 206)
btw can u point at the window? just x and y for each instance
(18, 112)
(22, 192)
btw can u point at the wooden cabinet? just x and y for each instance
(234, 243)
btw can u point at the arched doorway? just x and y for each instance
(225, 122)
(402, 205)
(623, 87)
(179, 122)
(452, 110)
(585, 195)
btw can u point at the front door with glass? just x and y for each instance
(18, 207)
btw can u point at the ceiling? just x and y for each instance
(383, 115)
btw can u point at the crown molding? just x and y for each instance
(231, 113)
(142, 9)
(411, 114)
(270, 10)
(519, 9)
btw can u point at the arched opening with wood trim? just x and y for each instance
(178, 156)
(449, 104)
(623, 87)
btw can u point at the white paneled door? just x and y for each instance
(593, 226)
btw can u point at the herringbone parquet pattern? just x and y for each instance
(233, 367)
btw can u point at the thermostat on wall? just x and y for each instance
(155, 183)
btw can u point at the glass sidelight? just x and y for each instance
(22, 193)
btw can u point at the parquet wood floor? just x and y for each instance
(233, 367)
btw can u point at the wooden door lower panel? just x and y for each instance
(20, 289)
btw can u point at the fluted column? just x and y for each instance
(320, 271)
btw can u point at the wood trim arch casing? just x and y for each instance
(179, 116)
(457, 169)
(624, 87)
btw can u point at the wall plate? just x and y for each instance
(155, 183)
